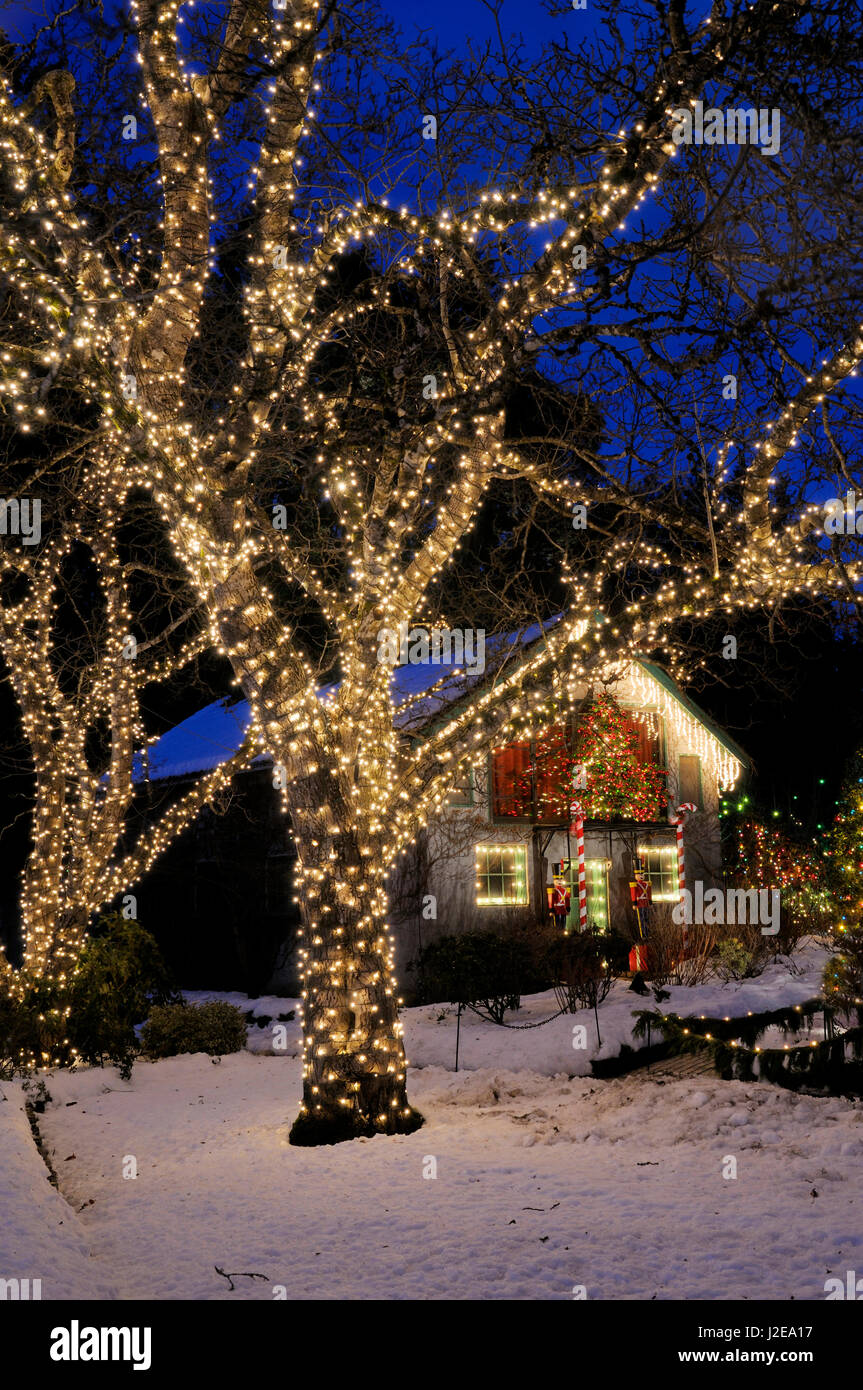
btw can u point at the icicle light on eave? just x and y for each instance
(691, 734)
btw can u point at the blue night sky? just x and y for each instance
(448, 20)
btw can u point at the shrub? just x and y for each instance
(843, 972)
(120, 975)
(754, 950)
(32, 1026)
(666, 961)
(171, 1029)
(734, 962)
(480, 970)
(580, 969)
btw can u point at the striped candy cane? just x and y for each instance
(577, 829)
(677, 821)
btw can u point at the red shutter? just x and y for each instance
(648, 743)
(648, 751)
(509, 768)
(553, 775)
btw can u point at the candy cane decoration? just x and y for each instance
(577, 829)
(677, 821)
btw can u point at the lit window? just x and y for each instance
(596, 885)
(658, 864)
(501, 876)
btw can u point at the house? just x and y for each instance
(487, 860)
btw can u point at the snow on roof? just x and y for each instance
(208, 738)
(212, 735)
(201, 743)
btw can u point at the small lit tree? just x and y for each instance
(619, 785)
(843, 851)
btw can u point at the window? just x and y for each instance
(689, 780)
(658, 864)
(648, 735)
(501, 876)
(530, 780)
(596, 883)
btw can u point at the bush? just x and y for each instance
(32, 1026)
(480, 970)
(171, 1029)
(843, 972)
(666, 960)
(120, 975)
(580, 968)
(734, 961)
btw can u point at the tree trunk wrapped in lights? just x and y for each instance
(328, 425)
(354, 1072)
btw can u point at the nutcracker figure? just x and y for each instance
(559, 901)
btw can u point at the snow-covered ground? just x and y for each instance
(40, 1236)
(567, 1043)
(556, 1046)
(528, 1181)
(543, 1183)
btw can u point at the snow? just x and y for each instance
(546, 1180)
(542, 1184)
(40, 1235)
(213, 734)
(199, 744)
(553, 1047)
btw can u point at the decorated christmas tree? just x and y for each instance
(843, 851)
(616, 784)
(619, 784)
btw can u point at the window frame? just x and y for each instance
(668, 855)
(486, 847)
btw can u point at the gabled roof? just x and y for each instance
(208, 738)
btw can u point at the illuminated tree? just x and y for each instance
(82, 658)
(620, 786)
(843, 846)
(329, 456)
